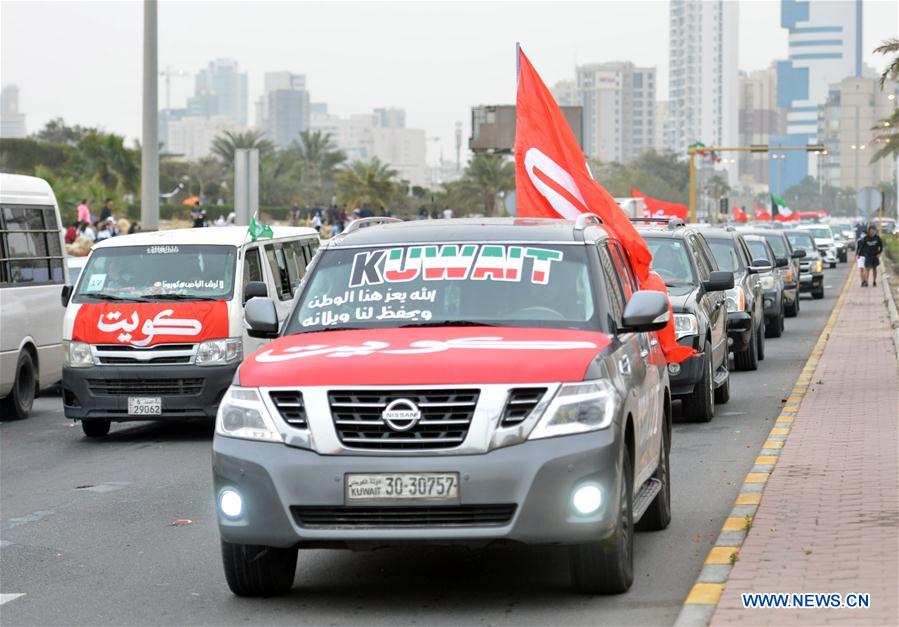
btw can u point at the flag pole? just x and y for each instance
(517, 62)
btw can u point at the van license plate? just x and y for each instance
(144, 406)
(406, 485)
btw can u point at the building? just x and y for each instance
(565, 93)
(12, 122)
(191, 137)
(846, 123)
(618, 100)
(825, 39)
(390, 117)
(166, 117)
(404, 150)
(760, 119)
(220, 90)
(286, 107)
(702, 92)
(660, 125)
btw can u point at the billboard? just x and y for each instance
(493, 127)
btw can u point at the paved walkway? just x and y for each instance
(829, 516)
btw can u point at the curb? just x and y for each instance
(894, 313)
(703, 598)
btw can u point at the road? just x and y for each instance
(88, 536)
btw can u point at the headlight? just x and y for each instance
(242, 414)
(219, 352)
(77, 354)
(819, 266)
(735, 299)
(684, 325)
(577, 408)
(767, 282)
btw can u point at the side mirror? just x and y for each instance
(66, 295)
(719, 281)
(261, 318)
(254, 289)
(782, 262)
(646, 310)
(760, 266)
(799, 253)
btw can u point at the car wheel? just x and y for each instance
(258, 571)
(658, 515)
(20, 399)
(760, 342)
(95, 428)
(700, 405)
(776, 328)
(607, 566)
(748, 358)
(818, 293)
(792, 310)
(722, 393)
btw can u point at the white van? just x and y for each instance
(32, 275)
(154, 326)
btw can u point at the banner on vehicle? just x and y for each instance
(147, 324)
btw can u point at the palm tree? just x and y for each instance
(488, 175)
(888, 135)
(105, 158)
(318, 158)
(361, 182)
(890, 46)
(225, 144)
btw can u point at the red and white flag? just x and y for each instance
(552, 180)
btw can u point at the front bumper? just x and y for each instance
(810, 282)
(537, 477)
(690, 370)
(103, 391)
(739, 330)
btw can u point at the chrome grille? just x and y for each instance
(445, 418)
(122, 354)
(289, 404)
(144, 387)
(439, 516)
(520, 404)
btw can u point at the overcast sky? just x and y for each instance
(82, 60)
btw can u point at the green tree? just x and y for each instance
(661, 175)
(359, 182)
(228, 142)
(105, 158)
(318, 159)
(890, 46)
(56, 131)
(486, 176)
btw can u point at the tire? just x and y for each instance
(832, 266)
(95, 428)
(760, 342)
(748, 358)
(607, 566)
(700, 405)
(258, 571)
(792, 310)
(722, 393)
(818, 294)
(776, 328)
(658, 515)
(20, 399)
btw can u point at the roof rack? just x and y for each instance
(358, 223)
(584, 220)
(673, 223)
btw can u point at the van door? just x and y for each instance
(252, 271)
(287, 263)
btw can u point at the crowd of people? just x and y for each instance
(88, 228)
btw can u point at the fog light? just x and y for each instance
(230, 503)
(673, 368)
(587, 498)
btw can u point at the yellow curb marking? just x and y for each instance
(736, 524)
(773, 444)
(794, 399)
(721, 555)
(757, 477)
(786, 419)
(766, 459)
(750, 498)
(779, 431)
(705, 594)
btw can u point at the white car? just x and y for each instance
(824, 242)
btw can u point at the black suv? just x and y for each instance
(745, 313)
(811, 267)
(784, 250)
(696, 288)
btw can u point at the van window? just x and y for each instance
(288, 263)
(30, 250)
(619, 260)
(252, 266)
(615, 289)
(279, 271)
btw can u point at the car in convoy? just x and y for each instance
(811, 267)
(745, 312)
(789, 271)
(32, 275)
(681, 256)
(457, 381)
(153, 328)
(772, 283)
(824, 242)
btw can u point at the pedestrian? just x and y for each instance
(867, 252)
(84, 212)
(448, 214)
(72, 232)
(435, 213)
(106, 212)
(198, 215)
(106, 229)
(220, 221)
(134, 228)
(317, 221)
(87, 232)
(422, 213)
(295, 214)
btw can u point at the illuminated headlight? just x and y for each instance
(220, 352)
(767, 282)
(577, 408)
(587, 498)
(77, 354)
(242, 414)
(735, 299)
(819, 266)
(684, 325)
(230, 503)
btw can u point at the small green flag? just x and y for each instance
(258, 229)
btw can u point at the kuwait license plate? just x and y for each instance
(144, 406)
(404, 485)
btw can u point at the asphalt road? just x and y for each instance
(86, 533)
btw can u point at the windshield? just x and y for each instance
(801, 240)
(779, 245)
(170, 272)
(759, 250)
(450, 284)
(820, 232)
(670, 260)
(725, 255)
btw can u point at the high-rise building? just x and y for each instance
(220, 90)
(12, 122)
(825, 39)
(565, 93)
(760, 119)
(390, 117)
(702, 91)
(618, 101)
(191, 137)
(286, 107)
(846, 127)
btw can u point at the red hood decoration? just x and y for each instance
(424, 356)
(146, 324)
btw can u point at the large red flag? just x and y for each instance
(552, 181)
(661, 208)
(740, 215)
(761, 215)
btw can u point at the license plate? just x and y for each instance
(405, 485)
(144, 406)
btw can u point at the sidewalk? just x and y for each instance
(829, 514)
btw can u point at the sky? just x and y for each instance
(82, 60)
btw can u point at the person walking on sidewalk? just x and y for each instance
(869, 248)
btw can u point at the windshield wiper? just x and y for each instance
(117, 299)
(448, 323)
(176, 297)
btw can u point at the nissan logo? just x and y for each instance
(401, 414)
